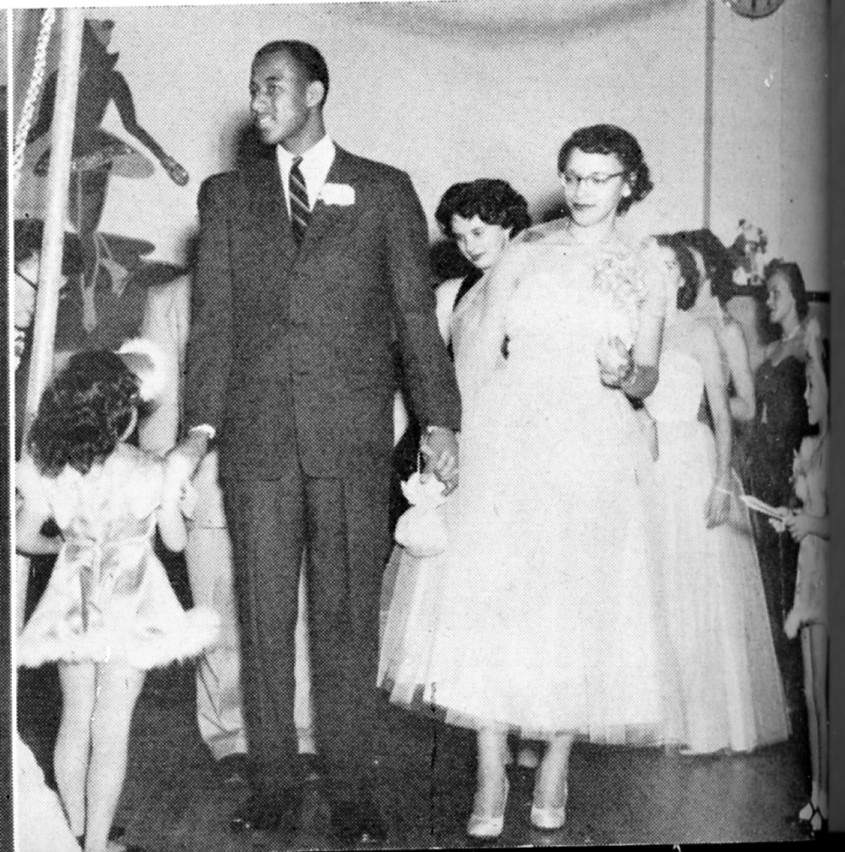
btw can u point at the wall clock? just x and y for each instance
(755, 8)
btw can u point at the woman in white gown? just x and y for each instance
(732, 696)
(547, 622)
(481, 217)
(715, 271)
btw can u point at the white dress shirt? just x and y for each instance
(315, 165)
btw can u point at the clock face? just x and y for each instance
(755, 8)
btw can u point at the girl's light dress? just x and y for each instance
(108, 598)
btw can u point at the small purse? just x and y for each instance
(421, 529)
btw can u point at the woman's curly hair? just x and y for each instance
(688, 291)
(84, 413)
(610, 139)
(718, 263)
(494, 201)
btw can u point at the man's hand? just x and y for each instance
(440, 447)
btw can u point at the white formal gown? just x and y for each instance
(545, 616)
(731, 691)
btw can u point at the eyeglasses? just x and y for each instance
(573, 181)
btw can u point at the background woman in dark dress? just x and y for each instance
(780, 424)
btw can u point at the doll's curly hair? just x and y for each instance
(84, 413)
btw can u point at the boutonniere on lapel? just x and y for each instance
(339, 194)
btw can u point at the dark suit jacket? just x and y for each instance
(289, 352)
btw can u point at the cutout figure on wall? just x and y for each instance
(98, 154)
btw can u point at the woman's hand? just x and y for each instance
(799, 525)
(778, 523)
(614, 361)
(717, 507)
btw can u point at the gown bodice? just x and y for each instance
(111, 502)
(566, 300)
(567, 285)
(782, 414)
(680, 389)
(781, 422)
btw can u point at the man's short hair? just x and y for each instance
(308, 59)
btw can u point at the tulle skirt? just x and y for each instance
(412, 593)
(721, 640)
(145, 627)
(541, 616)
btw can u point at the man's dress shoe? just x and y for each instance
(357, 821)
(233, 769)
(263, 812)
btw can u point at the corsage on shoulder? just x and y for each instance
(618, 278)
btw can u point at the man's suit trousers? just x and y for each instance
(343, 526)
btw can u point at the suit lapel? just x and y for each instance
(270, 216)
(326, 217)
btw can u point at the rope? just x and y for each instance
(36, 81)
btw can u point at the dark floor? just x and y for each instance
(174, 800)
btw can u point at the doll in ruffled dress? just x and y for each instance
(109, 613)
(810, 527)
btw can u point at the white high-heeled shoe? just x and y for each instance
(488, 826)
(806, 813)
(550, 818)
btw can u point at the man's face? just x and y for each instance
(279, 98)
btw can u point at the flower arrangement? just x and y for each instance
(748, 253)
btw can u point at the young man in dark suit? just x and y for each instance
(309, 263)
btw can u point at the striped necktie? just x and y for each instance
(300, 210)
